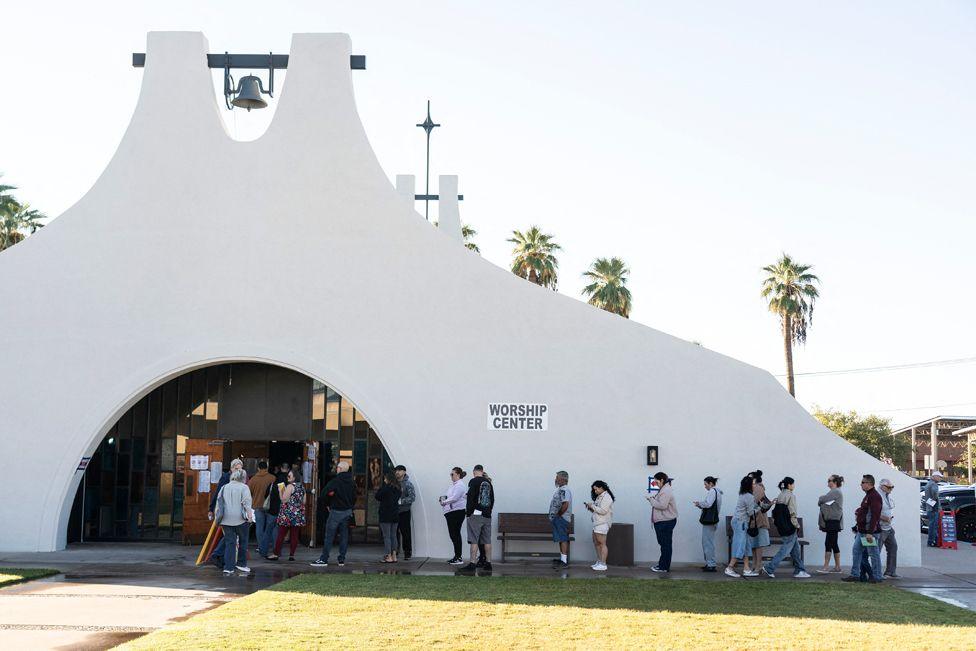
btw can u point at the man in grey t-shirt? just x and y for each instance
(560, 515)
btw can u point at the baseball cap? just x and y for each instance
(937, 474)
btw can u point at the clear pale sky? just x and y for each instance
(695, 140)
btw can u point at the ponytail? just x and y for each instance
(787, 481)
(460, 473)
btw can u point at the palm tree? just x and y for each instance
(608, 291)
(468, 233)
(791, 291)
(534, 257)
(16, 217)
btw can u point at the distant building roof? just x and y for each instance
(948, 425)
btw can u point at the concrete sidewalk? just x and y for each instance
(111, 592)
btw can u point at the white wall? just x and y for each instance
(193, 248)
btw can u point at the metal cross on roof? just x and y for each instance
(427, 125)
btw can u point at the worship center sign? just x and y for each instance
(517, 416)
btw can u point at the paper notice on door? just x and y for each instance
(199, 461)
(307, 472)
(216, 470)
(311, 451)
(203, 481)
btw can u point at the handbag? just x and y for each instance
(710, 515)
(753, 530)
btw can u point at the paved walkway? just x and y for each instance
(111, 592)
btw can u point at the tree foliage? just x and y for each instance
(467, 234)
(870, 433)
(608, 287)
(534, 258)
(791, 291)
(16, 218)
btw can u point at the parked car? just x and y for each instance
(962, 500)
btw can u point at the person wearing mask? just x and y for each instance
(480, 501)
(664, 517)
(831, 522)
(234, 515)
(711, 507)
(788, 526)
(560, 515)
(931, 499)
(601, 508)
(340, 496)
(886, 537)
(407, 496)
(453, 503)
(745, 508)
(260, 486)
(217, 555)
(868, 518)
(388, 496)
(291, 517)
(759, 541)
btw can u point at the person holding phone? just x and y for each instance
(664, 517)
(601, 508)
(711, 507)
(453, 502)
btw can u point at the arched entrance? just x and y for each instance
(152, 475)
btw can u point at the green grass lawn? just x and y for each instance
(11, 575)
(367, 611)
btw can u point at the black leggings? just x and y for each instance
(830, 543)
(454, 521)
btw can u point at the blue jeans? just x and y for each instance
(934, 527)
(235, 537)
(791, 547)
(664, 531)
(338, 521)
(560, 529)
(264, 524)
(873, 555)
(708, 543)
(218, 553)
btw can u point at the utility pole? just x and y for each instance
(427, 125)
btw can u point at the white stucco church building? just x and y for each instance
(196, 306)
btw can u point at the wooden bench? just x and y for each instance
(528, 526)
(774, 537)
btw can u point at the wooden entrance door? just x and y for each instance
(196, 502)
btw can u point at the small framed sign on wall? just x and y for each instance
(652, 455)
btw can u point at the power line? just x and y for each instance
(956, 404)
(894, 367)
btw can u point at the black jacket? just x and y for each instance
(340, 492)
(274, 507)
(474, 488)
(388, 497)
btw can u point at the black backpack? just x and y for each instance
(782, 520)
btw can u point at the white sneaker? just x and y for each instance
(750, 573)
(768, 573)
(243, 568)
(801, 575)
(599, 567)
(730, 572)
(228, 572)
